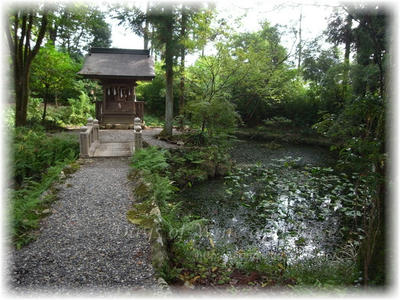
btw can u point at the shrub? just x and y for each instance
(34, 110)
(38, 160)
(34, 152)
(81, 109)
(150, 160)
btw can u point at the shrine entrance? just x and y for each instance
(118, 71)
(119, 105)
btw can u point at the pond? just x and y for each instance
(274, 201)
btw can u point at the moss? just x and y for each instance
(71, 168)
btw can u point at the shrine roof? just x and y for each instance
(118, 63)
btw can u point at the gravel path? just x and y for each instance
(149, 136)
(87, 243)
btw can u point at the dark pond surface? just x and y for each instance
(292, 222)
(251, 152)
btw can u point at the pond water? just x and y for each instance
(268, 206)
(245, 152)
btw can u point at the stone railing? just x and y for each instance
(89, 138)
(138, 133)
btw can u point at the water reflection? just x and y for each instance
(293, 223)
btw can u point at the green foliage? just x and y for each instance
(323, 273)
(38, 160)
(78, 27)
(284, 195)
(302, 107)
(153, 121)
(197, 165)
(34, 152)
(28, 205)
(209, 83)
(150, 160)
(153, 93)
(53, 72)
(154, 190)
(216, 117)
(35, 110)
(360, 133)
(263, 80)
(81, 109)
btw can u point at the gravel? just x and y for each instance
(149, 136)
(87, 245)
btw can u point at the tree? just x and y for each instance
(52, 71)
(135, 19)
(340, 32)
(170, 24)
(360, 126)
(209, 85)
(195, 22)
(264, 78)
(78, 27)
(323, 70)
(26, 25)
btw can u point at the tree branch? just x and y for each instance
(28, 38)
(11, 43)
(40, 37)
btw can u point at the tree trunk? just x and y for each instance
(146, 29)
(299, 45)
(45, 101)
(348, 41)
(182, 68)
(169, 99)
(53, 30)
(22, 56)
(21, 97)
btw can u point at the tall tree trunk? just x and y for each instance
(21, 80)
(146, 29)
(182, 67)
(53, 30)
(300, 48)
(348, 41)
(45, 101)
(152, 47)
(169, 99)
(22, 56)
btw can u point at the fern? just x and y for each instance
(150, 160)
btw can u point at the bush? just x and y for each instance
(150, 160)
(34, 152)
(216, 117)
(81, 109)
(38, 161)
(34, 110)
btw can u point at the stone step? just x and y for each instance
(114, 150)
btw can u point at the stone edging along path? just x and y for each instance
(87, 243)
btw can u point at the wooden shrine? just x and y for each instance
(118, 70)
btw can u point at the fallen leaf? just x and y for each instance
(212, 243)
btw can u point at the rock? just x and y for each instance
(210, 168)
(223, 169)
